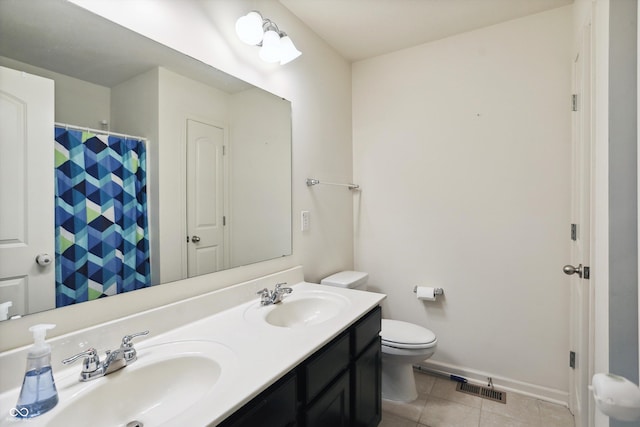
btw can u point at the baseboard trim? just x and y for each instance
(506, 384)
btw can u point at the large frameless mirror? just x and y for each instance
(125, 164)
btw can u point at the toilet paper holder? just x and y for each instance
(436, 291)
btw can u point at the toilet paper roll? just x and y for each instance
(426, 293)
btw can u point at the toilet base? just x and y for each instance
(398, 382)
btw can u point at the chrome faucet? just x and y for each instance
(115, 360)
(273, 297)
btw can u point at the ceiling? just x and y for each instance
(360, 29)
(59, 36)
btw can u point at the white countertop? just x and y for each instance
(259, 354)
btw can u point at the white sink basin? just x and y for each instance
(165, 383)
(299, 309)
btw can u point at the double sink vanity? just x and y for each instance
(312, 359)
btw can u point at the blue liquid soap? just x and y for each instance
(38, 394)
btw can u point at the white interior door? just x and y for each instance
(26, 192)
(581, 288)
(205, 198)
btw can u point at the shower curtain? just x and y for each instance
(102, 235)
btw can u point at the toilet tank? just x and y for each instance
(347, 279)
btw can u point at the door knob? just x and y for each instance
(44, 259)
(570, 269)
(195, 239)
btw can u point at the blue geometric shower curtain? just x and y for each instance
(102, 235)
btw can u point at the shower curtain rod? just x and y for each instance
(100, 131)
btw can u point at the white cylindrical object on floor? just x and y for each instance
(616, 397)
(426, 293)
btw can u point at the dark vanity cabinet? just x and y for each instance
(275, 407)
(337, 386)
(366, 371)
(326, 393)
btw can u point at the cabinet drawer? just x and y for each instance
(326, 365)
(366, 330)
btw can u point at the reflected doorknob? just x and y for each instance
(44, 259)
(570, 269)
(195, 239)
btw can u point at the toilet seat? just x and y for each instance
(405, 335)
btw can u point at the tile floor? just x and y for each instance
(440, 405)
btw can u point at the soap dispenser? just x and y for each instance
(38, 393)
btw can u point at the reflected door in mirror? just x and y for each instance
(206, 179)
(26, 205)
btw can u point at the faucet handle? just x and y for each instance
(91, 360)
(279, 292)
(129, 353)
(126, 340)
(265, 296)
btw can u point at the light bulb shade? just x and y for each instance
(270, 50)
(249, 28)
(288, 51)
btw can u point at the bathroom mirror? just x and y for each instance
(108, 78)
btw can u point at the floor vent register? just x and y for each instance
(483, 392)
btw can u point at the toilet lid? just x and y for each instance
(396, 333)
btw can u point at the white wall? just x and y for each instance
(260, 151)
(462, 147)
(77, 102)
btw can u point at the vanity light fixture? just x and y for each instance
(275, 45)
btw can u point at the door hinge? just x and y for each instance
(572, 359)
(586, 272)
(224, 150)
(574, 102)
(574, 232)
(224, 220)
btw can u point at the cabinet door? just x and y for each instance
(321, 369)
(367, 383)
(332, 408)
(275, 407)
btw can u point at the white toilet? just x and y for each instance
(403, 344)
